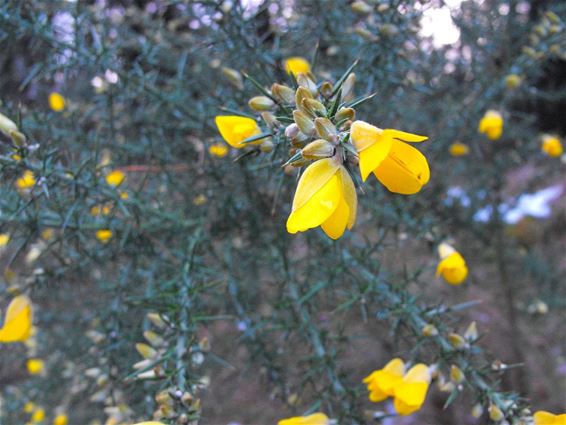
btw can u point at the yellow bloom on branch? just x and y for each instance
(18, 321)
(219, 150)
(61, 419)
(296, 65)
(552, 146)
(545, 418)
(26, 181)
(326, 197)
(104, 235)
(458, 149)
(56, 102)
(381, 383)
(235, 129)
(314, 419)
(38, 415)
(115, 178)
(452, 265)
(410, 393)
(4, 239)
(396, 164)
(35, 366)
(491, 125)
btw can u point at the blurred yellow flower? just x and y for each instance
(26, 181)
(35, 366)
(458, 149)
(325, 197)
(296, 65)
(545, 418)
(219, 150)
(396, 164)
(124, 195)
(410, 393)
(199, 200)
(314, 419)
(56, 102)
(381, 383)
(18, 321)
(491, 125)
(100, 210)
(452, 265)
(29, 407)
(513, 81)
(61, 419)
(104, 235)
(38, 415)
(115, 178)
(47, 234)
(235, 129)
(552, 146)
(4, 239)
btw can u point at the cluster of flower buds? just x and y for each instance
(182, 407)
(547, 38)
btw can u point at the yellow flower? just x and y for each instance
(26, 181)
(513, 81)
(61, 419)
(199, 200)
(29, 407)
(410, 393)
(38, 415)
(552, 146)
(35, 366)
(296, 65)
(452, 265)
(545, 418)
(104, 235)
(115, 178)
(4, 239)
(491, 125)
(124, 195)
(458, 149)
(18, 321)
(219, 150)
(100, 210)
(47, 234)
(325, 197)
(381, 383)
(56, 102)
(397, 165)
(235, 129)
(314, 419)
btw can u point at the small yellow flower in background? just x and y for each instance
(458, 149)
(38, 415)
(26, 181)
(491, 125)
(18, 321)
(124, 195)
(296, 65)
(96, 210)
(61, 419)
(381, 383)
(314, 419)
(199, 200)
(56, 102)
(545, 418)
(115, 178)
(104, 235)
(325, 197)
(4, 239)
(551, 145)
(47, 234)
(396, 164)
(513, 81)
(35, 366)
(235, 130)
(452, 265)
(410, 393)
(29, 407)
(219, 150)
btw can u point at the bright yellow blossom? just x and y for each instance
(458, 149)
(26, 181)
(38, 415)
(104, 235)
(56, 102)
(115, 178)
(4, 239)
(296, 65)
(235, 129)
(452, 265)
(491, 125)
(35, 366)
(61, 419)
(552, 146)
(18, 321)
(325, 197)
(314, 419)
(397, 165)
(381, 383)
(410, 393)
(545, 418)
(219, 150)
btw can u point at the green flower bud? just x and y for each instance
(313, 107)
(261, 103)
(234, 77)
(304, 122)
(326, 130)
(318, 149)
(283, 93)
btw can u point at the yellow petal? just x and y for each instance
(372, 157)
(409, 397)
(405, 170)
(453, 269)
(61, 419)
(404, 136)
(235, 129)
(335, 225)
(364, 135)
(350, 196)
(381, 383)
(546, 418)
(296, 65)
(491, 125)
(18, 321)
(314, 419)
(418, 373)
(314, 177)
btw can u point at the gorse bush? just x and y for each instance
(238, 212)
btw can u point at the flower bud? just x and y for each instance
(301, 94)
(365, 34)
(292, 131)
(156, 319)
(361, 7)
(313, 107)
(303, 121)
(383, 7)
(153, 338)
(283, 93)
(495, 413)
(429, 330)
(471, 333)
(477, 411)
(345, 114)
(348, 86)
(326, 129)
(146, 351)
(388, 30)
(318, 149)
(18, 138)
(234, 77)
(326, 89)
(456, 374)
(7, 125)
(444, 250)
(266, 146)
(457, 341)
(512, 81)
(305, 81)
(261, 103)
(270, 120)
(553, 17)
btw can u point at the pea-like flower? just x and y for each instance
(552, 146)
(381, 383)
(235, 129)
(314, 419)
(491, 125)
(35, 366)
(545, 418)
(458, 149)
(56, 102)
(452, 266)
(104, 235)
(26, 181)
(219, 150)
(115, 178)
(325, 197)
(296, 65)
(410, 393)
(17, 325)
(397, 165)
(61, 419)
